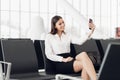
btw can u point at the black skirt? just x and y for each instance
(65, 67)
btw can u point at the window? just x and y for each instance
(18, 14)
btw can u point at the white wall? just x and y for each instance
(16, 16)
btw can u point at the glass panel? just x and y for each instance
(47, 23)
(14, 25)
(52, 6)
(113, 17)
(106, 21)
(4, 31)
(70, 1)
(25, 25)
(4, 17)
(90, 8)
(44, 6)
(83, 7)
(76, 4)
(4, 4)
(35, 5)
(97, 8)
(25, 5)
(5, 24)
(118, 13)
(14, 5)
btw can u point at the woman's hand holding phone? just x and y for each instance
(91, 27)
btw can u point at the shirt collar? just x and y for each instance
(61, 35)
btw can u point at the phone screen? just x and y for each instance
(90, 20)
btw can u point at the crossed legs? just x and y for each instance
(83, 63)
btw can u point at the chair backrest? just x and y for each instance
(21, 53)
(105, 43)
(1, 55)
(110, 67)
(49, 68)
(39, 54)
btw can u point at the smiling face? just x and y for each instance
(57, 25)
(60, 25)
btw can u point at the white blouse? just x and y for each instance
(57, 45)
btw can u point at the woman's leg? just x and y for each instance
(87, 65)
(78, 66)
(85, 75)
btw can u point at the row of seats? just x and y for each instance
(93, 47)
(28, 57)
(22, 54)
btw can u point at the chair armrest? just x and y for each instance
(7, 76)
(61, 76)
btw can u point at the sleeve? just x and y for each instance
(49, 51)
(78, 40)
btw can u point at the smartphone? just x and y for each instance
(90, 21)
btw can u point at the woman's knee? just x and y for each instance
(81, 55)
(77, 66)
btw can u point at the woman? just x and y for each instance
(57, 49)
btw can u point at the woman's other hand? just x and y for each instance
(68, 59)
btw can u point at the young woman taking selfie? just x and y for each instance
(57, 49)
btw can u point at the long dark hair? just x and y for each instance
(54, 20)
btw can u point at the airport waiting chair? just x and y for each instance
(110, 67)
(21, 53)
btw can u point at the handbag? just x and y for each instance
(95, 57)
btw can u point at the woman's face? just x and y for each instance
(60, 25)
